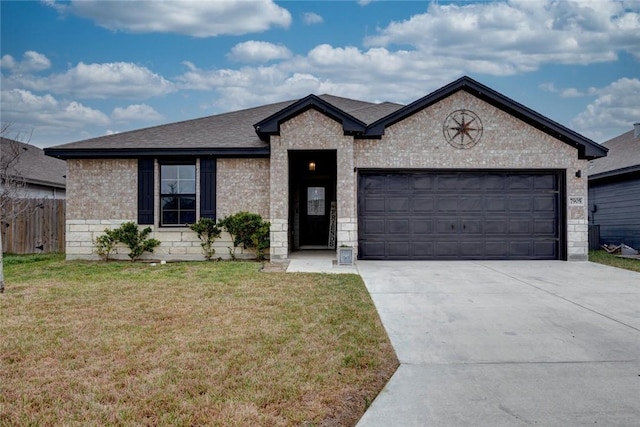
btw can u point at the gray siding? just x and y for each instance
(615, 207)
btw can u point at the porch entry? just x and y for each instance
(312, 197)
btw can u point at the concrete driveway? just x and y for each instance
(507, 343)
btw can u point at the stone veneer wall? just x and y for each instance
(104, 194)
(507, 143)
(311, 130)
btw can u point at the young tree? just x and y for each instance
(12, 184)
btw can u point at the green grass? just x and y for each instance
(603, 257)
(84, 343)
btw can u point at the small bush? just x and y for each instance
(136, 240)
(129, 234)
(249, 231)
(208, 231)
(106, 243)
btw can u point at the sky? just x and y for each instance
(72, 70)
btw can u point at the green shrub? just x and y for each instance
(208, 231)
(106, 243)
(249, 231)
(136, 240)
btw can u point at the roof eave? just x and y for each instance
(120, 153)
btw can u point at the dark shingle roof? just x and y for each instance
(228, 133)
(236, 133)
(32, 164)
(623, 156)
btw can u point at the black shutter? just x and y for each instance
(208, 188)
(145, 191)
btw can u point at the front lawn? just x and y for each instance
(602, 257)
(186, 344)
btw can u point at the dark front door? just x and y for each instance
(315, 201)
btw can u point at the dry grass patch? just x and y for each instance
(188, 344)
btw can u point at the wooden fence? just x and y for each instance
(34, 226)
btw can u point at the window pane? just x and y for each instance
(187, 187)
(169, 186)
(187, 172)
(170, 217)
(187, 217)
(169, 203)
(187, 203)
(169, 171)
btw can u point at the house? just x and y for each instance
(462, 173)
(614, 191)
(40, 176)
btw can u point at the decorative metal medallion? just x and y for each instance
(462, 129)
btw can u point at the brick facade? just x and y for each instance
(92, 206)
(103, 193)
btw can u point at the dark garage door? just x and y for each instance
(458, 215)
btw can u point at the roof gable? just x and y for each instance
(587, 149)
(271, 125)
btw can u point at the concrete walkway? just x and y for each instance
(508, 343)
(317, 261)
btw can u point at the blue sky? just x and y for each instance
(73, 70)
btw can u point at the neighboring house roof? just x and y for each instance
(623, 157)
(32, 164)
(246, 132)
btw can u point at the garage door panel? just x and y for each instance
(471, 225)
(374, 226)
(398, 182)
(495, 204)
(398, 226)
(446, 182)
(374, 205)
(422, 226)
(498, 226)
(472, 249)
(446, 249)
(520, 182)
(398, 250)
(422, 250)
(447, 204)
(545, 227)
(422, 204)
(372, 250)
(520, 204)
(373, 182)
(520, 249)
(398, 204)
(423, 182)
(459, 215)
(446, 226)
(545, 182)
(470, 204)
(545, 203)
(520, 226)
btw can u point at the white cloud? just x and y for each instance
(32, 61)
(571, 92)
(311, 18)
(136, 112)
(519, 35)
(196, 18)
(257, 51)
(613, 112)
(46, 114)
(108, 80)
